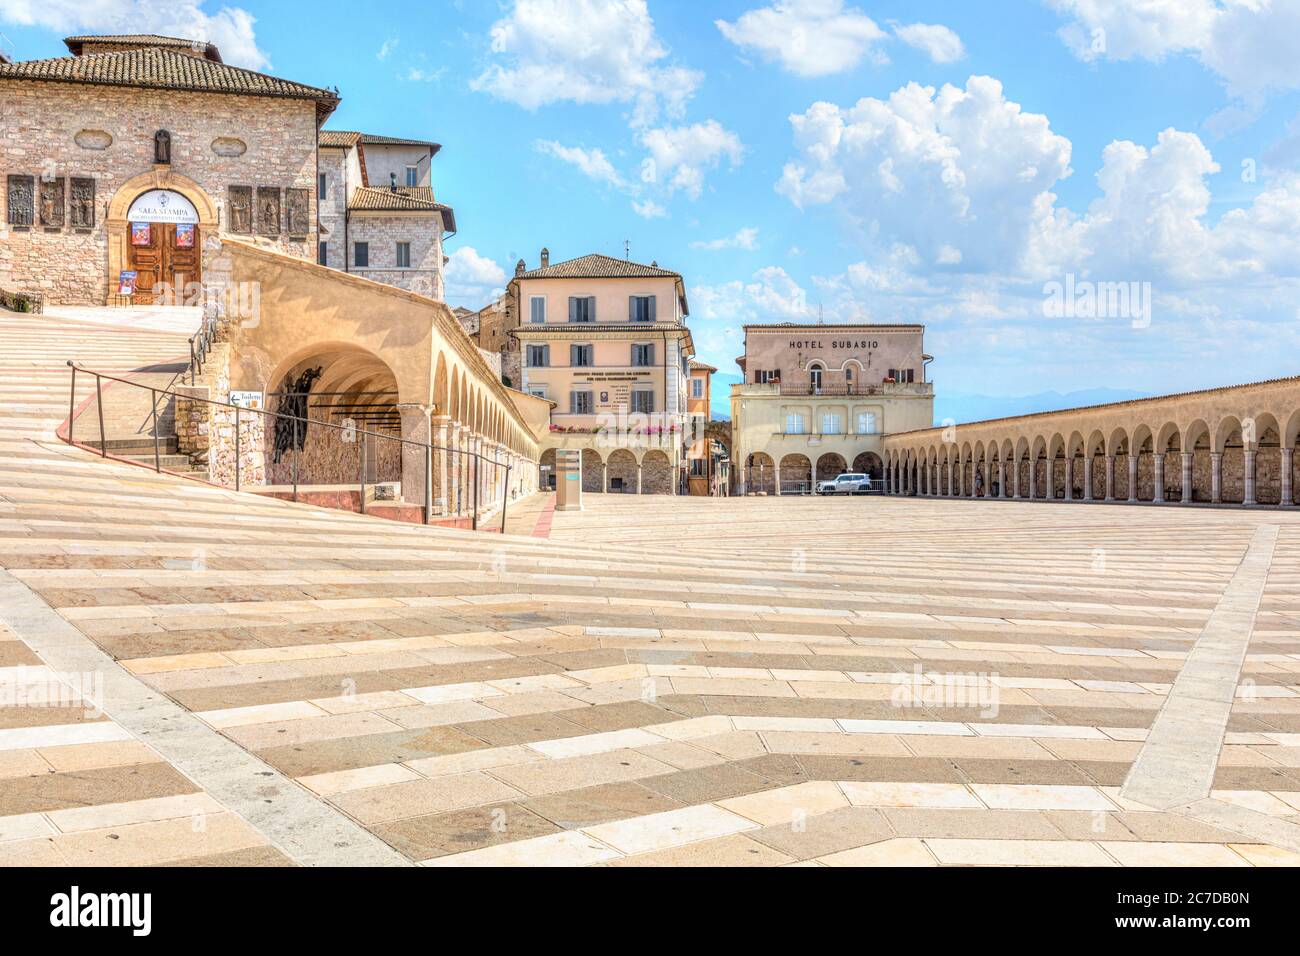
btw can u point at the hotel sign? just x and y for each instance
(855, 345)
(163, 205)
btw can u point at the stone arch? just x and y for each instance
(1268, 459)
(830, 465)
(621, 472)
(656, 473)
(593, 471)
(869, 463)
(117, 228)
(796, 474)
(760, 474)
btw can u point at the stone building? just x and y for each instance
(606, 341)
(492, 328)
(821, 399)
(379, 219)
(701, 459)
(133, 153)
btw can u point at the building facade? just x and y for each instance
(124, 161)
(701, 458)
(379, 218)
(606, 341)
(821, 399)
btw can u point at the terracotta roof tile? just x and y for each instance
(165, 69)
(403, 199)
(596, 266)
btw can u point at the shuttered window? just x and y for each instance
(580, 403)
(539, 356)
(641, 308)
(643, 401)
(582, 308)
(582, 355)
(643, 355)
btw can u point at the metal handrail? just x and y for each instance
(429, 448)
(200, 344)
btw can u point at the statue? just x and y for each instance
(293, 405)
(162, 148)
(240, 218)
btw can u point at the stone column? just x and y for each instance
(1288, 464)
(1132, 476)
(1249, 454)
(441, 436)
(1087, 479)
(638, 476)
(947, 478)
(1110, 477)
(1069, 478)
(1033, 478)
(1187, 476)
(1049, 476)
(415, 427)
(1216, 477)
(1002, 479)
(1158, 478)
(1015, 479)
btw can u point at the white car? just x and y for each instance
(849, 483)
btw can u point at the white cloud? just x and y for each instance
(585, 51)
(230, 28)
(958, 173)
(649, 209)
(471, 279)
(417, 74)
(681, 155)
(389, 46)
(771, 295)
(808, 37)
(592, 163)
(1253, 45)
(746, 238)
(935, 40)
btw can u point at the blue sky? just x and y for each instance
(941, 162)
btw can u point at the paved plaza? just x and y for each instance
(652, 681)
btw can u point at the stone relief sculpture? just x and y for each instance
(293, 405)
(297, 211)
(21, 200)
(83, 203)
(241, 210)
(53, 214)
(268, 210)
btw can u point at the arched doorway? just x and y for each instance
(868, 463)
(830, 465)
(796, 475)
(656, 473)
(156, 224)
(620, 472)
(760, 474)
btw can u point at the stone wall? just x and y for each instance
(383, 232)
(21, 302)
(64, 130)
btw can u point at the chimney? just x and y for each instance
(520, 268)
(392, 181)
(546, 257)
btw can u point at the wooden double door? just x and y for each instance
(170, 258)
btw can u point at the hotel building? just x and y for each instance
(820, 399)
(606, 341)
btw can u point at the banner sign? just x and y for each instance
(162, 205)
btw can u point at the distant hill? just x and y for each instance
(962, 408)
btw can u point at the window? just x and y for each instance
(866, 423)
(902, 375)
(641, 308)
(698, 467)
(412, 175)
(537, 309)
(322, 186)
(582, 308)
(848, 376)
(537, 391)
(815, 376)
(580, 403)
(403, 255)
(323, 253)
(643, 401)
(539, 356)
(582, 355)
(762, 377)
(793, 423)
(832, 424)
(643, 355)
(697, 388)
(361, 255)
